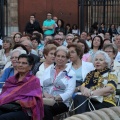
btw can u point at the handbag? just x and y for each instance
(10, 107)
(48, 101)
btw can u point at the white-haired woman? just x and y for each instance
(12, 70)
(59, 83)
(69, 38)
(100, 82)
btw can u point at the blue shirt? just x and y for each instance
(7, 73)
(78, 73)
(49, 23)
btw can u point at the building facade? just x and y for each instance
(20, 10)
(81, 12)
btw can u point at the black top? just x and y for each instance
(33, 27)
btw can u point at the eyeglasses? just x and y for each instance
(23, 63)
(109, 51)
(58, 39)
(69, 39)
(14, 58)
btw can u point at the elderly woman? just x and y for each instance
(23, 89)
(12, 70)
(101, 82)
(58, 84)
(69, 38)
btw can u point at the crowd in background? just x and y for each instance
(64, 60)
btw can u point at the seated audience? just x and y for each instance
(75, 40)
(49, 56)
(106, 41)
(86, 55)
(17, 38)
(80, 67)
(5, 52)
(36, 43)
(97, 44)
(29, 47)
(69, 38)
(58, 84)
(101, 82)
(17, 46)
(12, 70)
(24, 90)
(111, 50)
(59, 39)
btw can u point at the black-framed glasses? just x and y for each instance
(14, 58)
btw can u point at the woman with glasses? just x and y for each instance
(69, 38)
(12, 70)
(111, 50)
(24, 90)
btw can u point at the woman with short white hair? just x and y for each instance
(12, 70)
(101, 82)
(69, 38)
(59, 83)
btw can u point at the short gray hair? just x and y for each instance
(19, 51)
(70, 35)
(105, 55)
(62, 48)
(29, 43)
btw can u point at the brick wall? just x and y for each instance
(63, 9)
(12, 16)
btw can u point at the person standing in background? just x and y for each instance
(55, 19)
(32, 25)
(48, 25)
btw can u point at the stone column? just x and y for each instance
(12, 16)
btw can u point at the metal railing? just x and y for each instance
(3, 18)
(106, 11)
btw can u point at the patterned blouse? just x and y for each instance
(99, 79)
